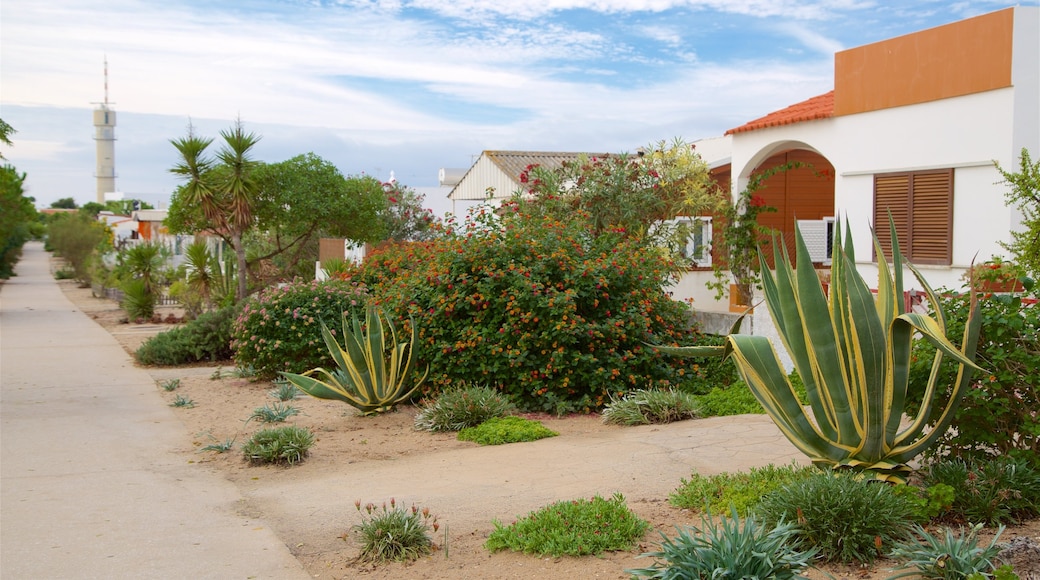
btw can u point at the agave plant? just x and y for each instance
(372, 373)
(852, 351)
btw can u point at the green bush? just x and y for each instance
(571, 528)
(648, 406)
(502, 430)
(1002, 490)
(555, 318)
(138, 302)
(289, 444)
(997, 416)
(729, 549)
(927, 503)
(205, 339)
(75, 237)
(847, 518)
(709, 373)
(461, 407)
(396, 534)
(279, 329)
(736, 399)
(734, 491)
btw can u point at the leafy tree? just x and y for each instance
(76, 237)
(405, 218)
(1024, 192)
(222, 187)
(64, 203)
(17, 215)
(5, 134)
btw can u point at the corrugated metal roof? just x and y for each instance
(511, 164)
(818, 107)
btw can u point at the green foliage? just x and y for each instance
(997, 415)
(1001, 490)
(734, 491)
(274, 413)
(284, 390)
(710, 373)
(205, 339)
(502, 430)
(138, 302)
(553, 317)
(460, 407)
(728, 549)
(372, 372)
(571, 528)
(1024, 193)
(208, 285)
(405, 218)
(396, 534)
(75, 237)
(950, 557)
(288, 444)
(927, 503)
(64, 203)
(857, 417)
(181, 401)
(222, 446)
(848, 518)
(647, 406)
(17, 216)
(279, 328)
(170, 385)
(734, 400)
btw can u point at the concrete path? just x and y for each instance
(90, 484)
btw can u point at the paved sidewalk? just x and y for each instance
(90, 483)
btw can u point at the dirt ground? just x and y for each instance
(320, 536)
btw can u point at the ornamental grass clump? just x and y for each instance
(728, 549)
(852, 351)
(571, 528)
(648, 406)
(950, 557)
(846, 517)
(502, 430)
(998, 491)
(289, 445)
(395, 534)
(458, 408)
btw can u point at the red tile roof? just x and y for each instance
(819, 107)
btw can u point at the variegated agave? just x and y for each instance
(373, 368)
(852, 350)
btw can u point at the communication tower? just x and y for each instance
(105, 136)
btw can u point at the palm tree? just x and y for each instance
(223, 187)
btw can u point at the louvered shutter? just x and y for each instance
(892, 195)
(931, 224)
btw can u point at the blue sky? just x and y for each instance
(410, 86)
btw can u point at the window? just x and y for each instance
(921, 205)
(698, 245)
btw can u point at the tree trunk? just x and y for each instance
(240, 255)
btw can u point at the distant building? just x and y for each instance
(105, 138)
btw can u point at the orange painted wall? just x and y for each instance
(962, 58)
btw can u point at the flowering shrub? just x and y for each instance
(995, 275)
(998, 415)
(279, 328)
(555, 318)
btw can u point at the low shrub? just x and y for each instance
(461, 407)
(276, 413)
(279, 329)
(997, 416)
(997, 491)
(737, 399)
(395, 534)
(734, 491)
(647, 406)
(289, 444)
(927, 503)
(710, 372)
(138, 301)
(284, 391)
(205, 339)
(847, 518)
(951, 557)
(571, 528)
(745, 549)
(502, 430)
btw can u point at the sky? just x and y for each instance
(409, 86)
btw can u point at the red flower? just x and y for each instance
(757, 201)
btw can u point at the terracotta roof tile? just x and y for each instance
(819, 107)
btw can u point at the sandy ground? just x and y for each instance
(310, 505)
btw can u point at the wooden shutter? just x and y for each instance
(931, 224)
(892, 195)
(921, 204)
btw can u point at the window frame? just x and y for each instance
(921, 204)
